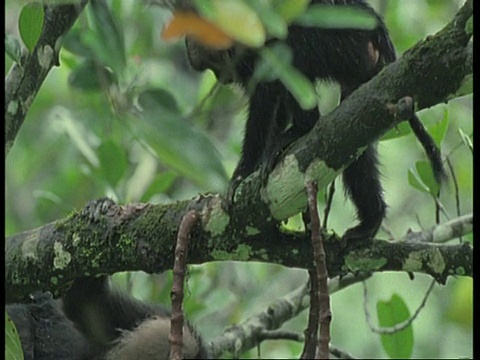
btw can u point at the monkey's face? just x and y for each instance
(231, 65)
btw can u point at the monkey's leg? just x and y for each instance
(362, 185)
(302, 122)
(261, 124)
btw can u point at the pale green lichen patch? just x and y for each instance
(432, 258)
(12, 107)
(242, 253)
(360, 261)
(75, 239)
(28, 101)
(45, 56)
(29, 246)
(61, 257)
(282, 199)
(216, 220)
(320, 172)
(460, 270)
(251, 231)
(262, 254)
(125, 245)
(285, 190)
(413, 262)
(436, 261)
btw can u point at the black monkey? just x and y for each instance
(350, 57)
(94, 322)
(123, 327)
(45, 333)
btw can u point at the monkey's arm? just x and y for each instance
(262, 123)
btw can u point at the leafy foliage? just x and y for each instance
(30, 24)
(13, 348)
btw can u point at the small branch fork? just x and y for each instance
(319, 295)
(179, 270)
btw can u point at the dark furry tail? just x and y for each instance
(432, 150)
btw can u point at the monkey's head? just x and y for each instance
(235, 64)
(208, 46)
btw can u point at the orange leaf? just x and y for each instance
(190, 24)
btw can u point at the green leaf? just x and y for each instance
(30, 24)
(274, 24)
(460, 304)
(178, 143)
(159, 185)
(107, 41)
(235, 18)
(13, 347)
(469, 26)
(289, 10)
(152, 98)
(398, 131)
(301, 88)
(390, 313)
(74, 43)
(113, 161)
(79, 136)
(438, 130)
(416, 183)
(465, 88)
(90, 76)
(337, 17)
(12, 48)
(424, 170)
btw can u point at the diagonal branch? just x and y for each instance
(24, 80)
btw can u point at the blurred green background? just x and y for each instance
(81, 141)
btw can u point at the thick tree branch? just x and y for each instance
(106, 238)
(24, 80)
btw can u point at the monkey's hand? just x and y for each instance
(232, 187)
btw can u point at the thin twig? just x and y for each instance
(179, 265)
(340, 354)
(311, 332)
(325, 315)
(457, 191)
(279, 335)
(328, 203)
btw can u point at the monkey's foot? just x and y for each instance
(232, 187)
(275, 153)
(359, 235)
